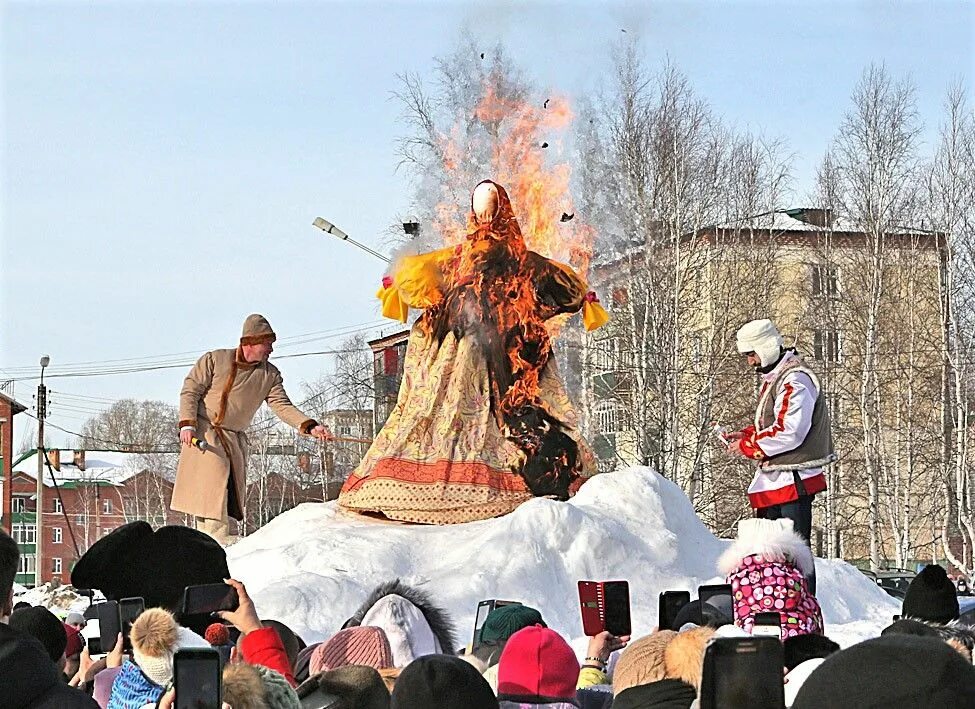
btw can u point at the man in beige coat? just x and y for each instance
(220, 396)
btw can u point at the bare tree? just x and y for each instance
(132, 425)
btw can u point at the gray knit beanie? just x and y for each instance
(277, 692)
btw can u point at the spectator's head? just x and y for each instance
(357, 686)
(537, 662)
(960, 637)
(293, 644)
(363, 645)
(442, 682)
(505, 621)
(255, 687)
(931, 596)
(76, 621)
(40, 623)
(155, 639)
(798, 649)
(21, 604)
(895, 672)
(72, 650)
(663, 655)
(9, 561)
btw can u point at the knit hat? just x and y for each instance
(155, 639)
(256, 687)
(217, 634)
(537, 663)
(799, 648)
(302, 666)
(256, 330)
(75, 643)
(364, 645)
(894, 672)
(76, 619)
(505, 621)
(442, 682)
(358, 687)
(762, 338)
(40, 623)
(931, 596)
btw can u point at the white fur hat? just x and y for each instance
(774, 539)
(155, 639)
(762, 338)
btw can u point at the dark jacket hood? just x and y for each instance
(28, 678)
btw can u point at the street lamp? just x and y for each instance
(330, 228)
(39, 504)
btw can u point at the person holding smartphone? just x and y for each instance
(791, 437)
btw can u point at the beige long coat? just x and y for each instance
(220, 396)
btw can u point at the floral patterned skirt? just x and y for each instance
(441, 457)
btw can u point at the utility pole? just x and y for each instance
(39, 505)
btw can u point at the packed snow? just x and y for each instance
(311, 567)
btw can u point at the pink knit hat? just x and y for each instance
(362, 645)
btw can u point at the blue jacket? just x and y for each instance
(132, 689)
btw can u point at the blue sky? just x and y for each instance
(161, 162)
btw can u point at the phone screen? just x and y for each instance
(768, 625)
(617, 607)
(129, 610)
(484, 609)
(196, 674)
(743, 672)
(669, 605)
(109, 624)
(717, 596)
(209, 598)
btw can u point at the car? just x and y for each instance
(894, 581)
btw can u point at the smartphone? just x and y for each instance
(129, 610)
(717, 596)
(668, 606)
(484, 609)
(768, 625)
(605, 605)
(197, 678)
(109, 624)
(209, 598)
(743, 673)
(95, 646)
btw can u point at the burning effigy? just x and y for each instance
(483, 421)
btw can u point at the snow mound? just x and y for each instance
(311, 567)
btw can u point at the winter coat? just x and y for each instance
(264, 647)
(132, 689)
(28, 678)
(219, 398)
(412, 623)
(664, 694)
(766, 567)
(595, 697)
(504, 704)
(799, 674)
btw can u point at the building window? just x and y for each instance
(27, 564)
(56, 505)
(607, 355)
(19, 504)
(56, 565)
(106, 507)
(607, 417)
(25, 533)
(825, 280)
(826, 345)
(106, 531)
(56, 534)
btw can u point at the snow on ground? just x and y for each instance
(311, 567)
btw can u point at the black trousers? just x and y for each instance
(800, 512)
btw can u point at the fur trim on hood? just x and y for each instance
(959, 636)
(684, 655)
(775, 540)
(437, 618)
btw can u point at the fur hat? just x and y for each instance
(505, 621)
(256, 330)
(663, 655)
(442, 682)
(40, 623)
(537, 662)
(895, 672)
(136, 561)
(931, 596)
(358, 686)
(762, 338)
(364, 645)
(155, 638)
(960, 637)
(774, 539)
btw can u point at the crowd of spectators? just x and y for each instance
(400, 650)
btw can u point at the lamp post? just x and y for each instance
(330, 228)
(39, 504)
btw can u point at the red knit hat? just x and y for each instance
(361, 645)
(75, 642)
(537, 663)
(217, 634)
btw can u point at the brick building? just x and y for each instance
(388, 356)
(8, 409)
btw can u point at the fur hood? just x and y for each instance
(775, 540)
(437, 619)
(959, 636)
(663, 655)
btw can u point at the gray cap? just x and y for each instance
(75, 619)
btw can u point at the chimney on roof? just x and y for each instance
(79, 460)
(54, 455)
(823, 218)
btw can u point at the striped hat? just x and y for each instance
(363, 645)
